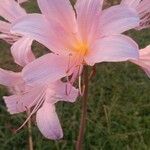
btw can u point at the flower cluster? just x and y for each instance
(76, 37)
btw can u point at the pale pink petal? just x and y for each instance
(61, 11)
(50, 35)
(131, 3)
(22, 102)
(34, 26)
(112, 49)
(143, 9)
(11, 10)
(144, 13)
(69, 95)
(5, 31)
(9, 38)
(45, 69)
(57, 91)
(21, 51)
(117, 19)
(22, 1)
(144, 60)
(48, 122)
(9, 78)
(4, 27)
(88, 15)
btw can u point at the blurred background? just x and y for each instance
(118, 107)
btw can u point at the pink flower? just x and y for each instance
(144, 60)
(11, 11)
(94, 36)
(42, 98)
(143, 9)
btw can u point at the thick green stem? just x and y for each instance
(79, 144)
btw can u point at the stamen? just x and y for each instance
(72, 80)
(38, 97)
(38, 105)
(80, 86)
(74, 65)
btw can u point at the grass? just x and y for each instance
(118, 109)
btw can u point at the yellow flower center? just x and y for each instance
(81, 48)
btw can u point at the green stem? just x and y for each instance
(79, 144)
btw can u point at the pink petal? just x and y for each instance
(60, 11)
(48, 122)
(9, 78)
(117, 19)
(21, 51)
(144, 13)
(112, 49)
(4, 27)
(22, 1)
(61, 91)
(143, 9)
(5, 32)
(9, 38)
(131, 3)
(144, 60)
(57, 91)
(50, 35)
(11, 10)
(45, 69)
(22, 102)
(88, 15)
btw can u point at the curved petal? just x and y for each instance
(45, 69)
(131, 3)
(21, 51)
(57, 91)
(143, 9)
(88, 15)
(9, 78)
(144, 13)
(61, 91)
(117, 19)
(48, 122)
(22, 102)
(50, 35)
(112, 49)
(22, 1)
(61, 11)
(5, 31)
(11, 10)
(9, 38)
(4, 27)
(144, 60)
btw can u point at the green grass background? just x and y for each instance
(118, 108)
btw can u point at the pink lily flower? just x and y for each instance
(143, 9)
(11, 11)
(41, 98)
(144, 60)
(90, 36)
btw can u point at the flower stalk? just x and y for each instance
(30, 132)
(80, 139)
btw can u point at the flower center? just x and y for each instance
(81, 48)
